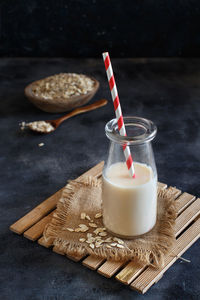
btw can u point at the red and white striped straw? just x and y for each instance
(118, 111)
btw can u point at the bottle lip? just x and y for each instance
(144, 130)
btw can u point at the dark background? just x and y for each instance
(163, 90)
(85, 28)
(166, 91)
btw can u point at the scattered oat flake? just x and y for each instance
(82, 225)
(91, 246)
(119, 241)
(108, 246)
(77, 229)
(70, 229)
(99, 242)
(96, 231)
(83, 215)
(22, 125)
(108, 240)
(90, 240)
(87, 217)
(97, 238)
(92, 225)
(102, 233)
(120, 246)
(84, 229)
(113, 244)
(82, 240)
(99, 215)
(41, 144)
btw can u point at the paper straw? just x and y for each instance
(118, 111)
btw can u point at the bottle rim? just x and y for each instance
(144, 130)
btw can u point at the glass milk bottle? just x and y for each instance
(130, 204)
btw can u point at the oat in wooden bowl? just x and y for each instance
(62, 92)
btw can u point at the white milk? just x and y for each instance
(129, 205)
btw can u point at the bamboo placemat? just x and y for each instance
(139, 278)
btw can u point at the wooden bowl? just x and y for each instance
(61, 104)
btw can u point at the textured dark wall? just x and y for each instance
(84, 28)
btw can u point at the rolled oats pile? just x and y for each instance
(63, 85)
(39, 126)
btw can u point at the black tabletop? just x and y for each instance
(166, 91)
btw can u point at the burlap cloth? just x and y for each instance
(85, 196)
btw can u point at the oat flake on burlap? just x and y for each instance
(85, 196)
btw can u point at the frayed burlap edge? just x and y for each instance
(145, 251)
(63, 205)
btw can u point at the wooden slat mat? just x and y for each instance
(139, 278)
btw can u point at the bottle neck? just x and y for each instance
(138, 131)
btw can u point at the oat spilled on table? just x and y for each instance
(63, 85)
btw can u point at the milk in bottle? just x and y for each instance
(129, 205)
